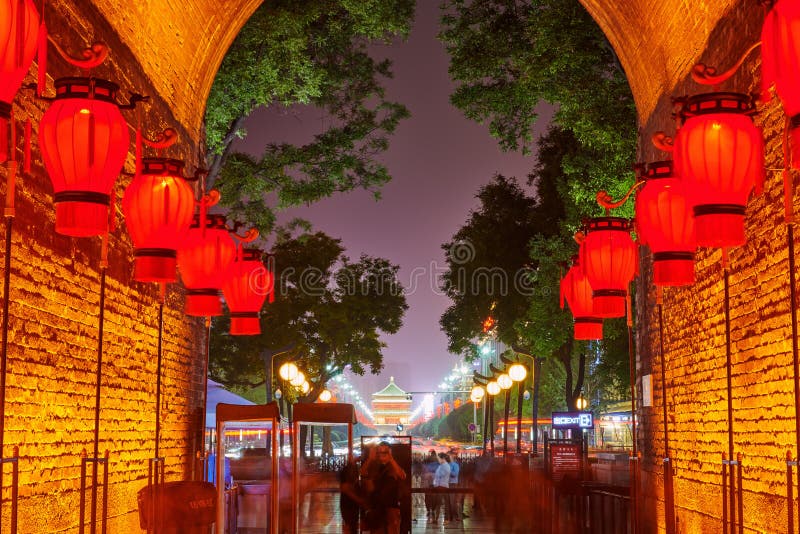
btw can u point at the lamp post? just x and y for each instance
(518, 373)
(269, 366)
(476, 396)
(505, 382)
(581, 403)
(492, 388)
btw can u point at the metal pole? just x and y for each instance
(519, 416)
(486, 400)
(158, 372)
(669, 498)
(731, 464)
(491, 424)
(634, 456)
(795, 359)
(98, 378)
(505, 424)
(4, 349)
(474, 420)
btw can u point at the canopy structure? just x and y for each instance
(330, 413)
(216, 395)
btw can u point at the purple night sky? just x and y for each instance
(438, 160)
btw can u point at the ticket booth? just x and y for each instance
(242, 430)
(307, 476)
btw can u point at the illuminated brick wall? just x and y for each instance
(54, 295)
(658, 42)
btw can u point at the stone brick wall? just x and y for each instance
(55, 281)
(693, 333)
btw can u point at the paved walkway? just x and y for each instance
(321, 516)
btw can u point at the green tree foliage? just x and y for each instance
(329, 310)
(508, 55)
(305, 53)
(488, 261)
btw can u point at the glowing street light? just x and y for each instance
(288, 371)
(298, 380)
(504, 381)
(325, 396)
(517, 372)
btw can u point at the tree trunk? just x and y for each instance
(218, 160)
(537, 379)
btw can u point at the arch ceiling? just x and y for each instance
(658, 41)
(180, 45)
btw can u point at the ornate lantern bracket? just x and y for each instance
(707, 75)
(607, 201)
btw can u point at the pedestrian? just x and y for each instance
(351, 498)
(441, 481)
(430, 465)
(385, 476)
(454, 500)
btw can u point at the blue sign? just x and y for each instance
(572, 420)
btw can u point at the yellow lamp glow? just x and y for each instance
(493, 388)
(517, 372)
(305, 387)
(325, 396)
(477, 394)
(288, 371)
(298, 380)
(504, 381)
(581, 403)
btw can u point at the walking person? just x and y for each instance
(455, 501)
(430, 465)
(385, 475)
(441, 480)
(351, 498)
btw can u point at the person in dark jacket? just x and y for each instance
(383, 515)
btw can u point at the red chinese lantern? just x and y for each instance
(84, 141)
(204, 259)
(158, 207)
(608, 257)
(19, 21)
(665, 223)
(719, 154)
(577, 292)
(247, 285)
(780, 63)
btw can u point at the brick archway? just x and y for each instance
(658, 42)
(179, 45)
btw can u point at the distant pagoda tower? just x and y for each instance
(390, 406)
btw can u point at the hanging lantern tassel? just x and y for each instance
(788, 189)
(138, 150)
(27, 147)
(11, 184)
(41, 80)
(628, 309)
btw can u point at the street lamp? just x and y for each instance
(492, 388)
(325, 395)
(518, 373)
(581, 403)
(505, 382)
(288, 371)
(298, 379)
(476, 396)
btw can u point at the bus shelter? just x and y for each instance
(240, 421)
(316, 414)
